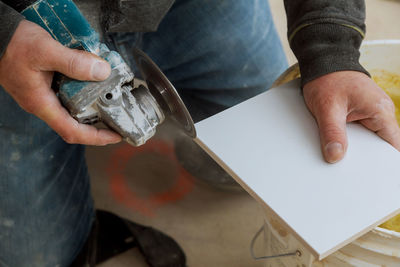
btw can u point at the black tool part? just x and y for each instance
(58, 80)
(19, 5)
(164, 92)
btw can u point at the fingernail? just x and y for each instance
(116, 140)
(334, 152)
(100, 70)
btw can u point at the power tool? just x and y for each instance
(132, 111)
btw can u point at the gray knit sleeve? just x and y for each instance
(326, 35)
(9, 20)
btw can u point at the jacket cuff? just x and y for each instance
(326, 47)
(9, 21)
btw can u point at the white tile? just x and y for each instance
(270, 144)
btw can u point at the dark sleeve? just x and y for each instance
(9, 20)
(134, 15)
(325, 35)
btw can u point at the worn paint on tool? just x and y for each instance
(67, 25)
(72, 87)
(135, 115)
(64, 22)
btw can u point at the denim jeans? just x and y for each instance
(216, 53)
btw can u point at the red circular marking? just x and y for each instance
(147, 206)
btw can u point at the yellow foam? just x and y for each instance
(390, 83)
(392, 224)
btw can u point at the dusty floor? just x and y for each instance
(149, 186)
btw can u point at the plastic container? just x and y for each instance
(379, 247)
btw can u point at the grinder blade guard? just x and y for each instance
(164, 92)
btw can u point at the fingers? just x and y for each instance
(26, 74)
(332, 129)
(32, 45)
(49, 110)
(76, 64)
(391, 133)
(386, 126)
(345, 96)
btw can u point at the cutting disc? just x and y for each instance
(164, 92)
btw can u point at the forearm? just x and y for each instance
(326, 35)
(9, 20)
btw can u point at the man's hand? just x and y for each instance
(26, 73)
(346, 96)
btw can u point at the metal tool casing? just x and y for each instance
(132, 112)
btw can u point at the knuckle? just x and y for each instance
(322, 103)
(391, 131)
(29, 106)
(374, 123)
(390, 106)
(385, 105)
(37, 58)
(69, 138)
(39, 52)
(68, 135)
(72, 134)
(331, 129)
(95, 135)
(73, 64)
(384, 118)
(30, 47)
(326, 101)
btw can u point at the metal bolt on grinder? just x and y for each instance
(133, 112)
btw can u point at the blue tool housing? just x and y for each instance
(64, 21)
(66, 24)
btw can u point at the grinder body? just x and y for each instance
(132, 112)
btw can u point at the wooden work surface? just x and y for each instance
(270, 145)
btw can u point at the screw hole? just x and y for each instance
(109, 96)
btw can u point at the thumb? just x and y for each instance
(332, 130)
(76, 64)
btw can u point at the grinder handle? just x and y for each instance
(66, 24)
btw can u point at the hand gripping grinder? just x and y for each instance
(133, 112)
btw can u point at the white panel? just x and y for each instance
(270, 144)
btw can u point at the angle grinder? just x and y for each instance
(133, 111)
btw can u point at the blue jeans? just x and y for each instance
(216, 53)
